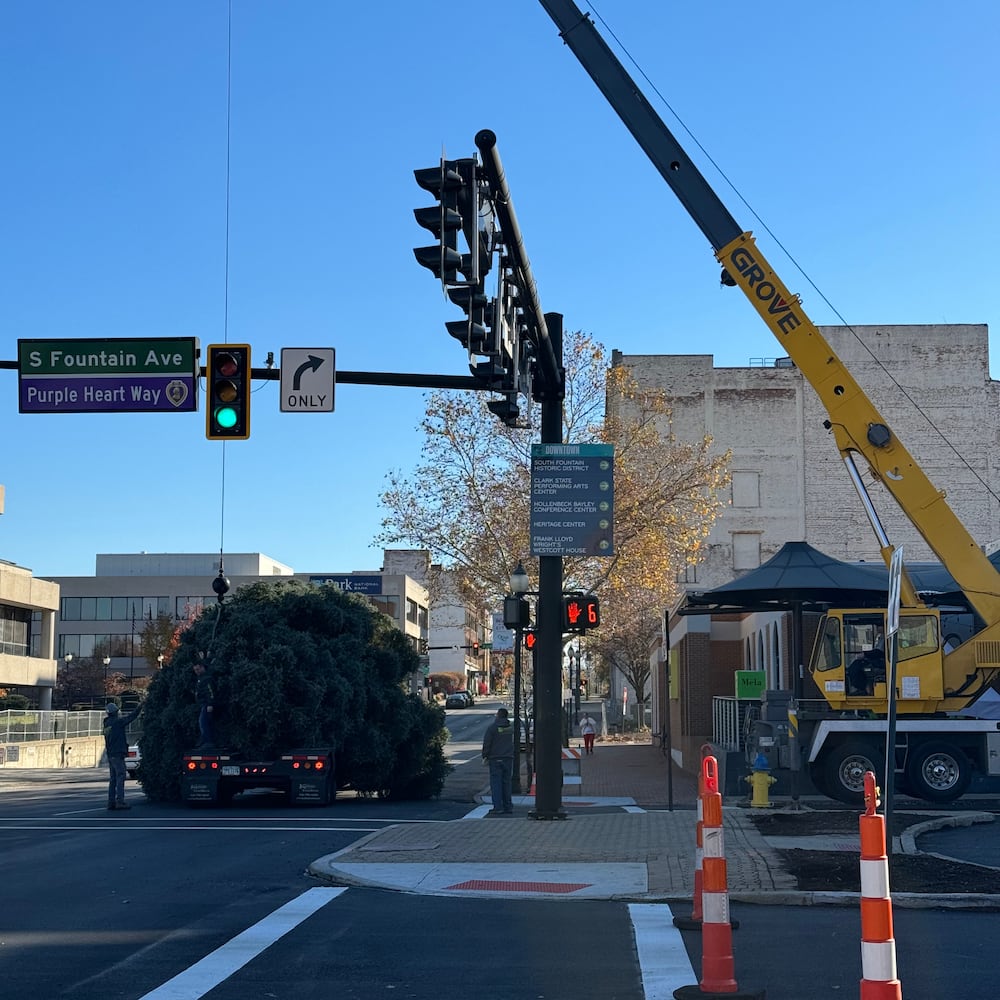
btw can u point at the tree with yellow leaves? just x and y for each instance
(468, 501)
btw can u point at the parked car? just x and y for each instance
(456, 700)
(132, 760)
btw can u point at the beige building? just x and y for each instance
(104, 615)
(27, 615)
(931, 383)
(933, 386)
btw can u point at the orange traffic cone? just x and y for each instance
(878, 948)
(694, 921)
(718, 977)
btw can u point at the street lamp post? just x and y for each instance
(107, 663)
(519, 584)
(159, 661)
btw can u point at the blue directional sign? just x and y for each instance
(572, 500)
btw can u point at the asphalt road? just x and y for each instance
(163, 903)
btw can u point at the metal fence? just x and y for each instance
(27, 727)
(731, 718)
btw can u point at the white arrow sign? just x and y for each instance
(308, 376)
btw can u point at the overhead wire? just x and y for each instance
(225, 320)
(795, 263)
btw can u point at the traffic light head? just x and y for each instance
(444, 220)
(227, 406)
(530, 639)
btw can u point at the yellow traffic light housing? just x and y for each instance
(227, 392)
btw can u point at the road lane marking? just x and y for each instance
(203, 976)
(663, 960)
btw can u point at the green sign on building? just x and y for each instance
(750, 683)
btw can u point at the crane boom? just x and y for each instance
(856, 424)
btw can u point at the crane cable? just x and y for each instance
(798, 267)
(225, 321)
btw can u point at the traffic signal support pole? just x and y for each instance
(548, 659)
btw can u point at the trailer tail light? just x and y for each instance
(307, 762)
(201, 763)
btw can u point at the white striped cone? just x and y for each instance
(878, 947)
(718, 979)
(717, 965)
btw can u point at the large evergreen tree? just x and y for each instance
(296, 666)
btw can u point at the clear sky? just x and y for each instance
(863, 135)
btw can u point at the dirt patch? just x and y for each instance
(817, 822)
(840, 871)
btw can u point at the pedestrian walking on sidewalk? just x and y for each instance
(498, 752)
(588, 730)
(116, 747)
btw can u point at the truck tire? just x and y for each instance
(938, 772)
(844, 770)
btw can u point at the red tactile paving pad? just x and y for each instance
(490, 885)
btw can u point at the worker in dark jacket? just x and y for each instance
(116, 747)
(498, 752)
(204, 693)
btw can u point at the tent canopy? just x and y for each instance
(797, 574)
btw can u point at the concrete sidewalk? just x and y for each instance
(620, 840)
(629, 835)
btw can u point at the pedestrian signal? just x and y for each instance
(580, 613)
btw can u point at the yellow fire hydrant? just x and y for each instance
(760, 780)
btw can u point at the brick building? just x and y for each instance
(931, 383)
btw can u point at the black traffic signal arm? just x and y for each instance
(414, 381)
(857, 426)
(551, 382)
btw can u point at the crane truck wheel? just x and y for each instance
(844, 771)
(938, 772)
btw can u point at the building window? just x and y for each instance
(746, 489)
(188, 607)
(746, 550)
(15, 630)
(388, 604)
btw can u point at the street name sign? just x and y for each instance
(108, 375)
(308, 377)
(572, 500)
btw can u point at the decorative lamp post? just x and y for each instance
(159, 661)
(107, 663)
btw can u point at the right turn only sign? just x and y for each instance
(307, 379)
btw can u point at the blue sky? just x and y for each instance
(863, 135)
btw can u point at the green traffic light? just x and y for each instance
(225, 416)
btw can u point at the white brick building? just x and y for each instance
(932, 385)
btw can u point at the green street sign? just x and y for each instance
(109, 375)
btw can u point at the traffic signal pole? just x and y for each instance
(548, 656)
